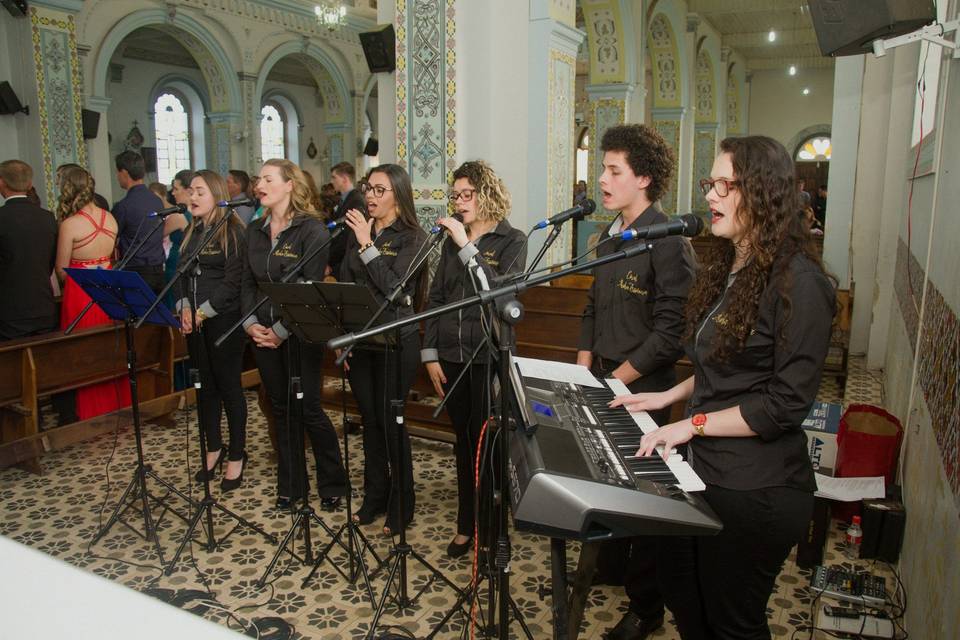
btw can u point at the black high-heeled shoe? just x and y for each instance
(207, 474)
(229, 484)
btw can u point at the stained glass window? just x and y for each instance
(815, 149)
(173, 136)
(272, 132)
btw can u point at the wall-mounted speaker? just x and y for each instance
(380, 49)
(17, 8)
(9, 102)
(848, 27)
(372, 147)
(91, 123)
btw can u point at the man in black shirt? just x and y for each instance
(632, 326)
(134, 224)
(342, 176)
(28, 249)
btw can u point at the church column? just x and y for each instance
(608, 106)
(99, 160)
(669, 122)
(250, 120)
(225, 128)
(426, 92)
(55, 119)
(552, 66)
(337, 144)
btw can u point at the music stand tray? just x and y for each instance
(123, 296)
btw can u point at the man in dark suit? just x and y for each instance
(342, 176)
(134, 224)
(28, 250)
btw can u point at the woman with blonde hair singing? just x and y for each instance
(86, 240)
(289, 229)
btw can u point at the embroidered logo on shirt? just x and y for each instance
(387, 250)
(286, 251)
(629, 284)
(490, 256)
(211, 250)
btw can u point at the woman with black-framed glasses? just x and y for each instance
(482, 240)
(379, 253)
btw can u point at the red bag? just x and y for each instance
(868, 445)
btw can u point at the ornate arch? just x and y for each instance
(223, 85)
(325, 71)
(665, 58)
(610, 41)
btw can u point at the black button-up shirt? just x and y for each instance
(635, 307)
(381, 267)
(133, 226)
(454, 336)
(774, 380)
(218, 285)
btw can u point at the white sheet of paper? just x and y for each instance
(849, 489)
(559, 371)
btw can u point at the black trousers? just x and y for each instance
(373, 380)
(468, 407)
(152, 275)
(277, 366)
(720, 585)
(221, 390)
(635, 560)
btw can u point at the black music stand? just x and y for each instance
(307, 316)
(124, 296)
(342, 306)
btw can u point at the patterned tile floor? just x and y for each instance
(60, 511)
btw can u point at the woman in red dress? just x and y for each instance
(86, 240)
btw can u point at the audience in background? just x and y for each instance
(174, 226)
(158, 189)
(87, 238)
(329, 200)
(342, 177)
(98, 199)
(238, 186)
(314, 191)
(134, 224)
(28, 241)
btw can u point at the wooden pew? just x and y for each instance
(53, 363)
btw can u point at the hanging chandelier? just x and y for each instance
(330, 14)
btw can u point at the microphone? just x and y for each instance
(333, 225)
(237, 202)
(689, 225)
(578, 212)
(437, 228)
(163, 213)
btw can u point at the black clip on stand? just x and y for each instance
(204, 508)
(298, 303)
(124, 296)
(506, 396)
(397, 558)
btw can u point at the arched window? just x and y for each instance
(583, 154)
(815, 149)
(273, 127)
(172, 122)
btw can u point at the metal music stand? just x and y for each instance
(307, 315)
(124, 296)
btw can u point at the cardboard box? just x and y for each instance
(821, 426)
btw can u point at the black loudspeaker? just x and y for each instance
(17, 8)
(810, 548)
(848, 27)
(372, 147)
(91, 123)
(380, 49)
(883, 525)
(9, 102)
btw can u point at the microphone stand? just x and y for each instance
(119, 267)
(512, 312)
(294, 270)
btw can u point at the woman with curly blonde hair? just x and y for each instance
(290, 228)
(480, 238)
(86, 240)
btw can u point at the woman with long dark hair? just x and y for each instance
(379, 253)
(482, 239)
(758, 328)
(215, 305)
(289, 229)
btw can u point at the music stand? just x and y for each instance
(124, 296)
(300, 305)
(339, 307)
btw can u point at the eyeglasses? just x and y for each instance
(466, 195)
(720, 185)
(378, 189)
